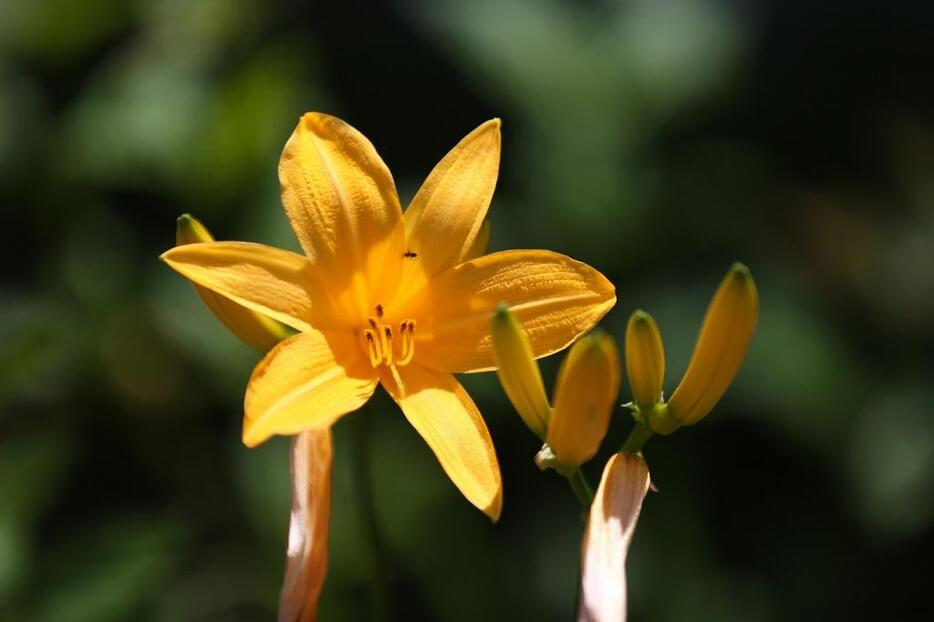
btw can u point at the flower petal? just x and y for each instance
(446, 214)
(307, 381)
(342, 203)
(271, 281)
(610, 526)
(312, 456)
(441, 411)
(555, 298)
(255, 329)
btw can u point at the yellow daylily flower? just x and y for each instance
(610, 527)
(382, 298)
(312, 456)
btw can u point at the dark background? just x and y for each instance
(657, 141)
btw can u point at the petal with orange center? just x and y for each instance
(446, 215)
(341, 200)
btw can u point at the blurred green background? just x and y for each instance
(657, 141)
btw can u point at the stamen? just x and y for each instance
(387, 344)
(407, 328)
(373, 347)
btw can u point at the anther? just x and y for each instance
(373, 347)
(407, 328)
(387, 345)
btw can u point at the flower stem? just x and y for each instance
(581, 489)
(370, 532)
(637, 438)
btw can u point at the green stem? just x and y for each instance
(370, 531)
(582, 489)
(637, 438)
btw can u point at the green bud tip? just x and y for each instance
(740, 270)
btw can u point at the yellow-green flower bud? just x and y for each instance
(721, 347)
(645, 360)
(587, 387)
(518, 372)
(253, 328)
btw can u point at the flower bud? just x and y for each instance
(645, 360)
(586, 390)
(518, 372)
(255, 329)
(721, 347)
(480, 243)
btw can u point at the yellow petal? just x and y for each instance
(273, 282)
(518, 372)
(607, 537)
(480, 243)
(307, 381)
(312, 456)
(555, 298)
(721, 347)
(585, 393)
(645, 359)
(255, 329)
(342, 203)
(441, 411)
(446, 215)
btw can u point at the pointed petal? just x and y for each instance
(312, 456)
(273, 282)
(441, 411)
(254, 329)
(342, 203)
(307, 381)
(608, 535)
(555, 298)
(446, 214)
(481, 243)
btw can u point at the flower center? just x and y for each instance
(386, 347)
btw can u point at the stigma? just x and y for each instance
(387, 347)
